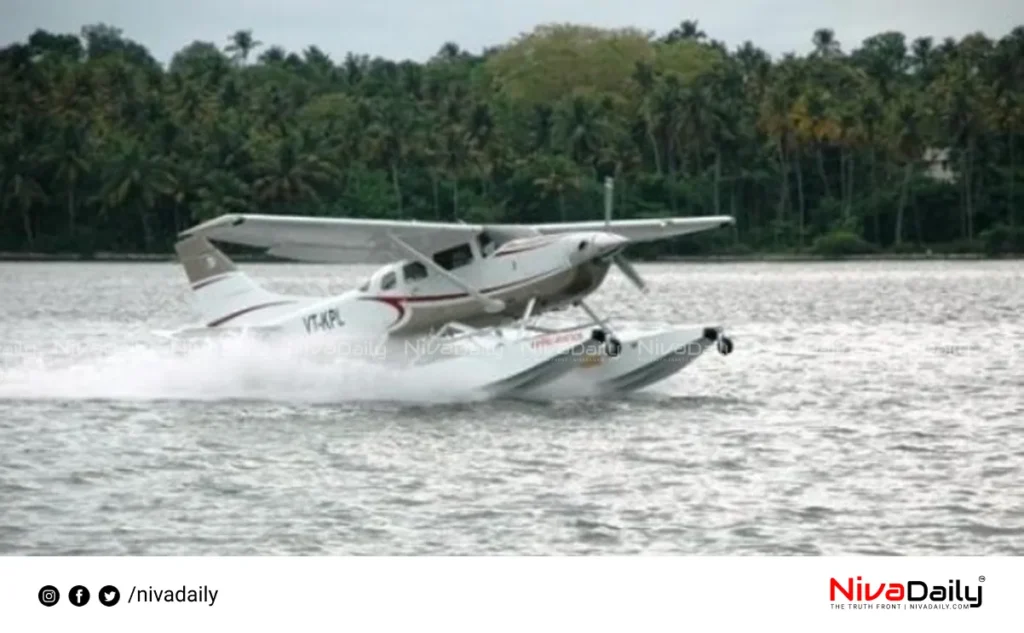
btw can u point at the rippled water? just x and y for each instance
(868, 408)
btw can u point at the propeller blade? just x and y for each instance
(630, 272)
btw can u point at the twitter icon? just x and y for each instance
(109, 596)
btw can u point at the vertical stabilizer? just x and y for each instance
(222, 294)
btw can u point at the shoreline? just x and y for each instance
(754, 257)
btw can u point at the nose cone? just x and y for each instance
(608, 242)
(595, 245)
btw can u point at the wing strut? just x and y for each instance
(490, 305)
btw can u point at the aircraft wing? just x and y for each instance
(364, 241)
(642, 230)
(333, 240)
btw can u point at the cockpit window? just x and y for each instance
(413, 271)
(388, 281)
(454, 257)
(487, 244)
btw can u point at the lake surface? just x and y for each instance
(869, 407)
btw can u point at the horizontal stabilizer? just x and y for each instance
(204, 332)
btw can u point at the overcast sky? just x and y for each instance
(415, 29)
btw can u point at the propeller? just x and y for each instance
(620, 262)
(627, 269)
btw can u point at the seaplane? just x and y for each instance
(453, 297)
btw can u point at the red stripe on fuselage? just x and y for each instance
(394, 302)
(207, 282)
(457, 295)
(234, 315)
(513, 248)
(398, 303)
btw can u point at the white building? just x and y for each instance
(937, 165)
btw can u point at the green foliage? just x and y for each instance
(842, 243)
(554, 60)
(1003, 240)
(906, 248)
(897, 145)
(960, 247)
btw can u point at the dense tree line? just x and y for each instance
(896, 144)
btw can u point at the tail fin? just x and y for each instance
(221, 292)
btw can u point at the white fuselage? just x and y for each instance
(409, 298)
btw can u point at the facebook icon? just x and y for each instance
(79, 595)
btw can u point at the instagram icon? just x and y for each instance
(49, 596)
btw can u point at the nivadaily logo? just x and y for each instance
(915, 594)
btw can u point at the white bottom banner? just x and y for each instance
(508, 593)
